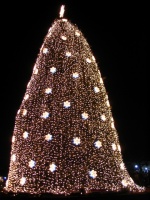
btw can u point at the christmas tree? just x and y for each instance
(64, 137)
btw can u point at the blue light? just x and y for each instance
(136, 166)
(146, 168)
(5, 177)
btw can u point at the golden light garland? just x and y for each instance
(64, 137)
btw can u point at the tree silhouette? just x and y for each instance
(64, 137)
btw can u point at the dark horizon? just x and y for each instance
(118, 39)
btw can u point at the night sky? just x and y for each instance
(117, 34)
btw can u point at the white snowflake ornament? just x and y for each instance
(119, 148)
(75, 75)
(26, 97)
(124, 182)
(22, 181)
(52, 167)
(13, 157)
(25, 135)
(48, 137)
(103, 117)
(7, 183)
(68, 54)
(112, 125)
(31, 163)
(98, 144)
(45, 50)
(45, 115)
(93, 58)
(101, 80)
(53, 70)
(122, 166)
(48, 90)
(107, 103)
(63, 37)
(24, 112)
(29, 84)
(35, 70)
(77, 33)
(96, 89)
(85, 115)
(13, 139)
(76, 140)
(67, 104)
(114, 146)
(93, 174)
(88, 60)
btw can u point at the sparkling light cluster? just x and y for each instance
(64, 137)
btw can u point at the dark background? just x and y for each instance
(118, 36)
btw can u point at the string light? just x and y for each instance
(66, 140)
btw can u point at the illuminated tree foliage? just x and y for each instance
(64, 136)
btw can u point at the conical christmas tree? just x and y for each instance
(64, 137)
